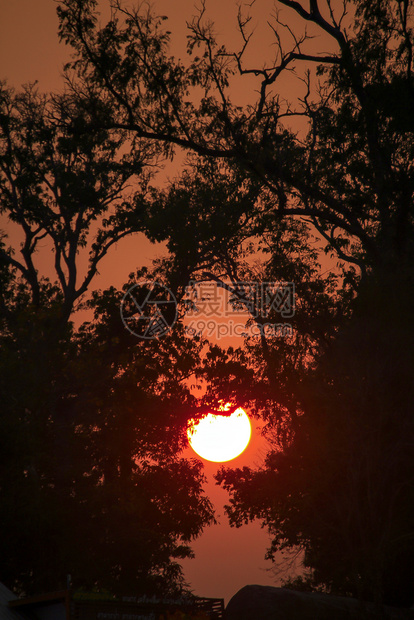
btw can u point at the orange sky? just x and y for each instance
(226, 559)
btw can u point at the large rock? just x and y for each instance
(6, 613)
(268, 603)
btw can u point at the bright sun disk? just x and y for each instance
(220, 438)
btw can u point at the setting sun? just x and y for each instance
(220, 438)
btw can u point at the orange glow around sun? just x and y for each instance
(220, 438)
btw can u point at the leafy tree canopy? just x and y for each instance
(260, 200)
(336, 394)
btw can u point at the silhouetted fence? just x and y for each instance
(134, 608)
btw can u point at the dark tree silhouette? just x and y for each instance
(350, 176)
(337, 395)
(92, 420)
(64, 187)
(92, 483)
(342, 475)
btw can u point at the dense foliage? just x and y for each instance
(269, 189)
(92, 419)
